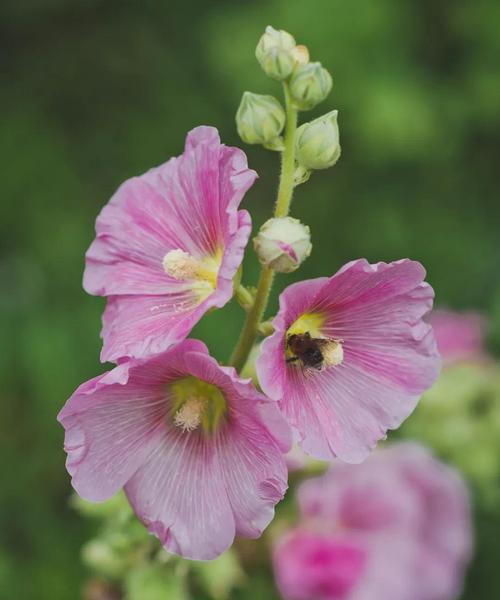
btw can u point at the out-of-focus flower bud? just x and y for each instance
(317, 143)
(100, 556)
(310, 84)
(274, 53)
(283, 244)
(260, 120)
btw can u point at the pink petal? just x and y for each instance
(459, 336)
(409, 512)
(390, 357)
(444, 497)
(255, 474)
(108, 435)
(113, 421)
(180, 495)
(146, 325)
(192, 489)
(189, 203)
(309, 565)
(339, 499)
(194, 493)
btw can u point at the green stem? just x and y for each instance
(285, 190)
(250, 329)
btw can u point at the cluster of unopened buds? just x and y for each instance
(200, 451)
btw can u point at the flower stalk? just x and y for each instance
(255, 315)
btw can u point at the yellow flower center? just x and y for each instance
(195, 404)
(331, 350)
(307, 323)
(201, 272)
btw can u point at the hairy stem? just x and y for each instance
(285, 189)
(255, 315)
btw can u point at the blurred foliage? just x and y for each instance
(460, 418)
(124, 556)
(96, 91)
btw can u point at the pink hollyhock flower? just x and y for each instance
(404, 512)
(350, 356)
(310, 565)
(198, 450)
(168, 245)
(342, 566)
(459, 336)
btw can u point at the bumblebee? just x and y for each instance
(314, 353)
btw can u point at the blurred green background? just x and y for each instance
(97, 91)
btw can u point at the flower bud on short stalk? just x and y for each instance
(100, 555)
(310, 84)
(260, 120)
(274, 53)
(317, 143)
(283, 244)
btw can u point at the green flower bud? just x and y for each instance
(283, 244)
(100, 556)
(317, 143)
(274, 53)
(260, 120)
(310, 84)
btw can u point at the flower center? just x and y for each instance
(307, 323)
(197, 404)
(306, 343)
(184, 266)
(189, 415)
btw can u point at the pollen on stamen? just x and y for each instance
(189, 416)
(180, 264)
(333, 353)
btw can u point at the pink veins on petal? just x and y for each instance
(168, 245)
(199, 452)
(377, 357)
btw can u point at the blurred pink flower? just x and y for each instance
(198, 450)
(168, 245)
(459, 336)
(380, 358)
(309, 565)
(313, 564)
(404, 512)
